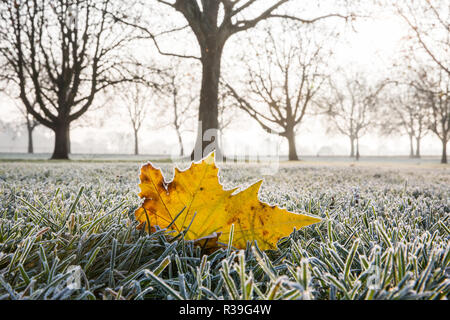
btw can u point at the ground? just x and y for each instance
(67, 231)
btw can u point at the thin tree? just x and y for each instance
(137, 99)
(227, 113)
(352, 108)
(429, 22)
(30, 122)
(213, 22)
(11, 130)
(61, 53)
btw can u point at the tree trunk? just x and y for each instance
(411, 146)
(290, 136)
(61, 150)
(444, 151)
(357, 149)
(220, 137)
(207, 133)
(417, 147)
(136, 143)
(30, 139)
(352, 147)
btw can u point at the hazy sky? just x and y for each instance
(371, 48)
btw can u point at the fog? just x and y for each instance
(370, 45)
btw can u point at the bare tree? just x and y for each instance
(179, 96)
(11, 130)
(352, 108)
(138, 99)
(429, 22)
(407, 114)
(283, 82)
(213, 22)
(428, 70)
(31, 123)
(61, 53)
(434, 87)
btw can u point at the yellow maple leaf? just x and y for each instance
(197, 191)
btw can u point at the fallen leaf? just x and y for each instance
(197, 191)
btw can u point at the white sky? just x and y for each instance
(372, 48)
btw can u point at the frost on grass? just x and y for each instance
(67, 231)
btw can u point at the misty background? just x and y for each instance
(376, 42)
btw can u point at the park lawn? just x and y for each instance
(385, 235)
